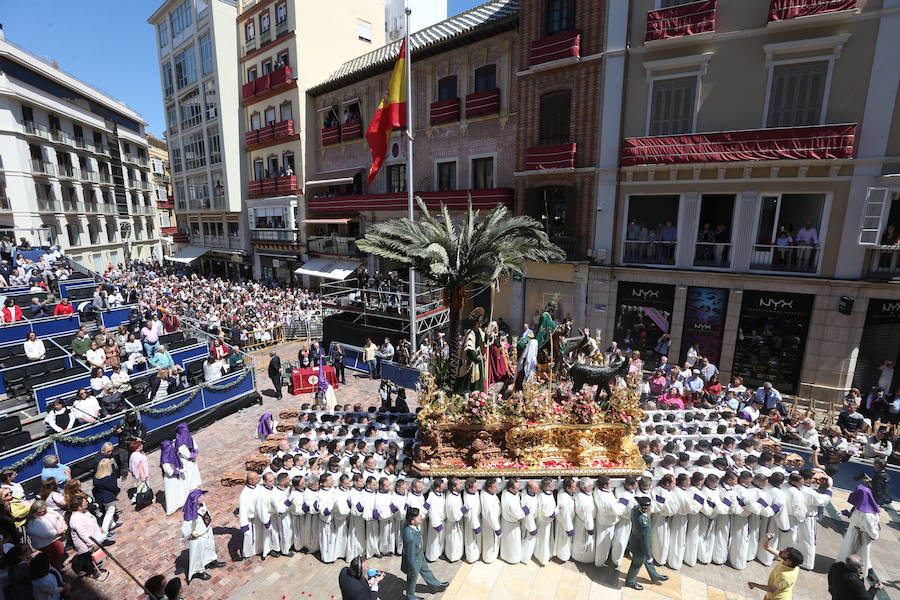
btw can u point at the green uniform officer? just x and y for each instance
(639, 545)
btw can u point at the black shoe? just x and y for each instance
(204, 576)
(443, 585)
(216, 564)
(287, 554)
(635, 586)
(239, 559)
(661, 578)
(109, 542)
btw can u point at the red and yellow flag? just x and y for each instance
(391, 113)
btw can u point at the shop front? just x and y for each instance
(771, 338)
(278, 267)
(879, 346)
(643, 318)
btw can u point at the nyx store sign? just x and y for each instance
(646, 294)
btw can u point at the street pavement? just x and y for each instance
(148, 542)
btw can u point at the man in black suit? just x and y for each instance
(355, 582)
(881, 483)
(275, 373)
(846, 582)
(413, 561)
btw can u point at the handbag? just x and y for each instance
(143, 496)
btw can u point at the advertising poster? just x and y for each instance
(704, 322)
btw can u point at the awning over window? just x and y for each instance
(328, 268)
(188, 254)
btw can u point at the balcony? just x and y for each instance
(351, 130)
(61, 137)
(83, 144)
(792, 259)
(681, 20)
(48, 205)
(560, 156)
(105, 178)
(782, 10)
(712, 254)
(883, 263)
(336, 246)
(260, 188)
(72, 206)
(267, 85)
(649, 253)
(39, 166)
(281, 27)
(248, 46)
(331, 135)
(166, 204)
(248, 89)
(287, 236)
(566, 44)
(263, 83)
(67, 172)
(444, 111)
(168, 230)
(453, 200)
(483, 103)
(90, 176)
(91, 207)
(270, 134)
(37, 130)
(265, 37)
(4, 204)
(181, 238)
(814, 142)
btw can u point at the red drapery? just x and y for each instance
(555, 47)
(452, 199)
(681, 20)
(815, 142)
(780, 10)
(305, 381)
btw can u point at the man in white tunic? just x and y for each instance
(434, 531)
(729, 506)
(608, 510)
(265, 513)
(707, 527)
(697, 502)
(490, 521)
(356, 538)
(565, 520)
(511, 515)
(251, 527)
(398, 509)
(366, 507)
(864, 527)
(664, 506)
(471, 510)
(683, 506)
(340, 517)
(282, 522)
(530, 507)
(197, 531)
(174, 482)
(310, 504)
(740, 522)
(806, 533)
(546, 516)
(325, 509)
(583, 542)
(188, 452)
(383, 501)
(757, 501)
(625, 495)
(453, 524)
(301, 518)
(779, 523)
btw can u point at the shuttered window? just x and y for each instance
(796, 94)
(554, 118)
(672, 106)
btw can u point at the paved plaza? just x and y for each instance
(148, 543)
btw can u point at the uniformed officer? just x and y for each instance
(639, 545)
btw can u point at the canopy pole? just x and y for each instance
(409, 180)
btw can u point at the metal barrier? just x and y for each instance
(406, 377)
(43, 327)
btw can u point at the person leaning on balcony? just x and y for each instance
(807, 238)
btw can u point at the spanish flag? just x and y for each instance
(391, 113)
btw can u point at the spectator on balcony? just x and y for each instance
(705, 243)
(722, 238)
(63, 308)
(80, 343)
(11, 312)
(807, 239)
(99, 380)
(890, 237)
(132, 350)
(150, 338)
(95, 356)
(113, 354)
(34, 348)
(86, 408)
(101, 300)
(170, 322)
(116, 298)
(6, 249)
(219, 349)
(24, 244)
(668, 235)
(37, 309)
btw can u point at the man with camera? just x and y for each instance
(358, 581)
(130, 430)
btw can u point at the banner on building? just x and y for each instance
(644, 318)
(704, 322)
(771, 338)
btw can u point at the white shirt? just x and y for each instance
(212, 371)
(87, 405)
(35, 350)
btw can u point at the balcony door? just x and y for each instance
(651, 231)
(788, 233)
(552, 206)
(714, 231)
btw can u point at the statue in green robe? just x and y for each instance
(470, 374)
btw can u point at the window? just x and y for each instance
(162, 31)
(554, 118)
(482, 173)
(210, 96)
(257, 169)
(396, 177)
(181, 18)
(72, 234)
(168, 82)
(264, 22)
(559, 16)
(485, 78)
(272, 171)
(206, 55)
(191, 110)
(215, 148)
(787, 237)
(447, 88)
(287, 161)
(249, 31)
(281, 13)
(651, 230)
(714, 231)
(254, 121)
(286, 113)
(446, 176)
(171, 119)
(364, 30)
(267, 67)
(202, 7)
(796, 94)
(270, 115)
(251, 74)
(672, 105)
(284, 58)
(194, 151)
(185, 68)
(269, 218)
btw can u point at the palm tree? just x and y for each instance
(479, 251)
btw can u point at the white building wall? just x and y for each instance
(423, 14)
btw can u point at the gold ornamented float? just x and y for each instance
(547, 429)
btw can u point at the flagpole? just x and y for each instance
(409, 180)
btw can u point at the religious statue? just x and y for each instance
(470, 374)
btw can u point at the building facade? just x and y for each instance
(161, 178)
(754, 215)
(75, 165)
(197, 47)
(464, 119)
(423, 13)
(287, 46)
